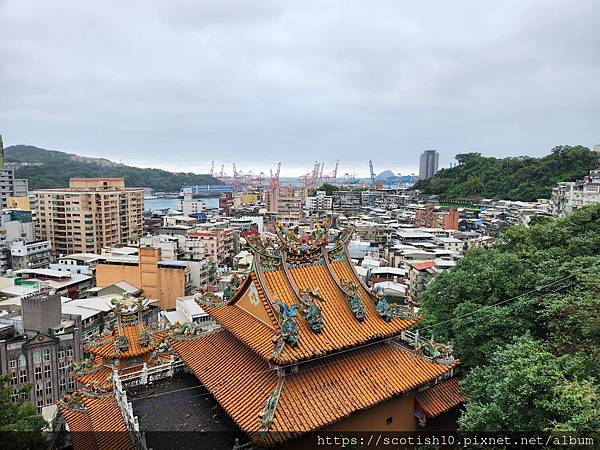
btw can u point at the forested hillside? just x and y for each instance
(52, 169)
(521, 178)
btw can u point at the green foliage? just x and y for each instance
(539, 287)
(527, 388)
(328, 188)
(19, 421)
(57, 167)
(521, 178)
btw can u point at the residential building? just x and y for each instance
(90, 214)
(38, 343)
(190, 205)
(432, 217)
(320, 202)
(30, 255)
(289, 205)
(218, 242)
(67, 284)
(346, 201)
(162, 280)
(568, 196)
(428, 164)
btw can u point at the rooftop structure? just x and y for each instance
(302, 337)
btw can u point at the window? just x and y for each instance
(47, 371)
(37, 357)
(69, 351)
(22, 361)
(47, 355)
(71, 384)
(40, 404)
(13, 380)
(12, 364)
(23, 376)
(38, 373)
(15, 395)
(39, 391)
(62, 367)
(62, 384)
(61, 354)
(48, 387)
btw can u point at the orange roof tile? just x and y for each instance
(322, 391)
(132, 332)
(341, 329)
(441, 398)
(99, 426)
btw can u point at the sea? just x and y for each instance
(152, 204)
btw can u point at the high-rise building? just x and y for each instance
(428, 165)
(90, 214)
(9, 185)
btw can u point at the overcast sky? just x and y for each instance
(178, 83)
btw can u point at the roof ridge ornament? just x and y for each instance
(357, 308)
(389, 311)
(301, 246)
(289, 330)
(310, 311)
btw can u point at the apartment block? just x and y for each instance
(163, 280)
(90, 214)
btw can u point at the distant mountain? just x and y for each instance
(519, 178)
(385, 175)
(52, 169)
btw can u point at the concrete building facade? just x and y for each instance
(159, 279)
(90, 214)
(428, 164)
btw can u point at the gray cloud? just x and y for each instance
(177, 84)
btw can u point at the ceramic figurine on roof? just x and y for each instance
(303, 246)
(383, 307)
(289, 329)
(356, 305)
(310, 311)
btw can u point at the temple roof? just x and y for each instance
(287, 280)
(95, 422)
(316, 394)
(441, 398)
(107, 348)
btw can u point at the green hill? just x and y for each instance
(519, 178)
(52, 169)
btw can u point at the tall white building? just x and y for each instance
(428, 164)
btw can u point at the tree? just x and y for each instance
(527, 388)
(521, 178)
(19, 419)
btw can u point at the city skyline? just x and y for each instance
(305, 81)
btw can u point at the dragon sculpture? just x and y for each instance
(355, 302)
(265, 417)
(81, 368)
(187, 329)
(309, 309)
(434, 350)
(74, 401)
(232, 287)
(210, 299)
(382, 307)
(289, 329)
(121, 344)
(145, 338)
